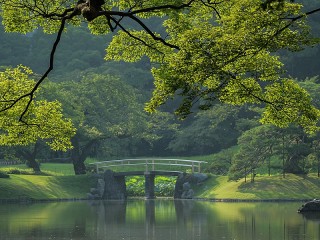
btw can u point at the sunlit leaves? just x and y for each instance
(99, 26)
(208, 51)
(26, 16)
(133, 45)
(232, 58)
(290, 103)
(43, 120)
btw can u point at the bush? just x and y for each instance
(4, 175)
(164, 186)
(135, 186)
(19, 171)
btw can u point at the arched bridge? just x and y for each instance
(148, 167)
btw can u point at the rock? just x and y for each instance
(90, 196)
(187, 194)
(100, 186)
(200, 177)
(115, 186)
(178, 189)
(311, 206)
(186, 186)
(94, 191)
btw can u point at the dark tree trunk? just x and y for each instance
(34, 164)
(30, 157)
(79, 166)
(79, 155)
(76, 157)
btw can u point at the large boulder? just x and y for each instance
(311, 206)
(183, 187)
(187, 191)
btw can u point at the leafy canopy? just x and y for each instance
(208, 52)
(43, 120)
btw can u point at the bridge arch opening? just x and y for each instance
(163, 186)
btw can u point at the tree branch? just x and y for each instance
(42, 78)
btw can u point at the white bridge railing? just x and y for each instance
(150, 164)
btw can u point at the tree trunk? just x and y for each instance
(30, 157)
(33, 164)
(77, 160)
(79, 167)
(79, 154)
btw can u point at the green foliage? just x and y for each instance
(220, 162)
(205, 53)
(47, 169)
(19, 171)
(135, 186)
(43, 120)
(209, 131)
(283, 111)
(4, 175)
(19, 17)
(229, 60)
(164, 186)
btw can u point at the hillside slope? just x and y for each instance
(264, 188)
(45, 187)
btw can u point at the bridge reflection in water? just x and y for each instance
(150, 219)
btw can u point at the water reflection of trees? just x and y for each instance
(198, 220)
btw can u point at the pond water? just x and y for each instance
(157, 220)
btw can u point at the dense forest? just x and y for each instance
(105, 101)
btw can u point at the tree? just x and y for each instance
(43, 120)
(232, 62)
(255, 147)
(104, 110)
(293, 147)
(211, 51)
(208, 132)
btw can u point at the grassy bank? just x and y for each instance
(44, 187)
(59, 182)
(264, 188)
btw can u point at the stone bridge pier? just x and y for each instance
(149, 186)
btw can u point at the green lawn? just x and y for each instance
(45, 187)
(264, 187)
(56, 169)
(60, 183)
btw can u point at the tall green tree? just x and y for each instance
(255, 149)
(208, 132)
(43, 120)
(105, 110)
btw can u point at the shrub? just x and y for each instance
(19, 171)
(4, 175)
(164, 186)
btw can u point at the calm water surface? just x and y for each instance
(157, 220)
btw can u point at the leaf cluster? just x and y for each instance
(43, 119)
